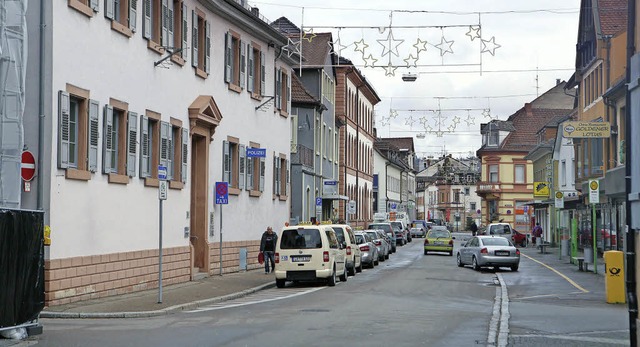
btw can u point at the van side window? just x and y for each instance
(331, 236)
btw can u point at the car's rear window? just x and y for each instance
(300, 238)
(438, 233)
(496, 241)
(339, 233)
(385, 227)
(360, 239)
(500, 229)
(373, 235)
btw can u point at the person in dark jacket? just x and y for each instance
(474, 228)
(268, 248)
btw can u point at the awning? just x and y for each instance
(335, 197)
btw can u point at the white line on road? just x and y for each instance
(601, 340)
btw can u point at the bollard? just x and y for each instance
(614, 277)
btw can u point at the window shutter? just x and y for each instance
(263, 73)
(64, 104)
(185, 154)
(164, 23)
(286, 192)
(243, 59)
(170, 21)
(242, 167)
(94, 5)
(164, 145)
(262, 170)
(185, 31)
(194, 39)
(108, 145)
(109, 6)
(278, 92)
(294, 133)
(94, 134)
(226, 162)
(250, 68)
(144, 147)
(132, 142)
(249, 167)
(170, 153)
(207, 47)
(228, 58)
(146, 19)
(133, 14)
(275, 176)
(289, 91)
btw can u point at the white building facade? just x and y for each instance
(120, 105)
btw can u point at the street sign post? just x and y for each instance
(162, 195)
(559, 201)
(162, 172)
(28, 166)
(594, 198)
(222, 198)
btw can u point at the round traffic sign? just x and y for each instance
(28, 166)
(221, 188)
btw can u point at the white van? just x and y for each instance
(309, 253)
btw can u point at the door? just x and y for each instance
(199, 188)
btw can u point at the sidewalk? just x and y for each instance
(176, 297)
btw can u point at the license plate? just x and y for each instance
(502, 253)
(302, 258)
(439, 243)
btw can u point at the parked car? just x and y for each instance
(500, 229)
(519, 238)
(398, 225)
(387, 228)
(309, 253)
(368, 249)
(489, 250)
(384, 236)
(438, 240)
(380, 245)
(418, 232)
(347, 239)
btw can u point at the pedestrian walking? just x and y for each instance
(537, 234)
(474, 228)
(268, 248)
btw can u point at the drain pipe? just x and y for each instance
(41, 109)
(630, 234)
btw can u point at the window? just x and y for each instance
(231, 164)
(255, 70)
(149, 144)
(200, 43)
(493, 173)
(318, 136)
(119, 142)
(519, 174)
(87, 7)
(280, 176)
(323, 141)
(563, 173)
(173, 151)
(596, 157)
(493, 138)
(123, 14)
(472, 206)
(456, 196)
(283, 91)
(165, 26)
(234, 61)
(78, 133)
(466, 191)
(254, 169)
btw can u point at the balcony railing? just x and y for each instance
(302, 155)
(487, 187)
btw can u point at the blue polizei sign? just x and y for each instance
(256, 152)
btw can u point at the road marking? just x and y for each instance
(503, 335)
(559, 274)
(572, 337)
(271, 295)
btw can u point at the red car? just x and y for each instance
(518, 238)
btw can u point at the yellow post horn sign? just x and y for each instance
(541, 189)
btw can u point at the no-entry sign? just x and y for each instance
(28, 166)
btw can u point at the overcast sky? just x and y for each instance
(390, 35)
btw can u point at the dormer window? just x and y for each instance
(493, 138)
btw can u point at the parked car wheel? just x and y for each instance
(459, 260)
(514, 267)
(451, 253)
(386, 256)
(474, 263)
(425, 252)
(332, 280)
(359, 268)
(280, 283)
(352, 270)
(343, 277)
(376, 262)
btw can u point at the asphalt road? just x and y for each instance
(409, 300)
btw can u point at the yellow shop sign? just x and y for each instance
(541, 189)
(586, 129)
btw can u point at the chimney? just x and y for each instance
(255, 11)
(558, 81)
(527, 109)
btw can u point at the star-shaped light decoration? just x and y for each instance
(439, 133)
(445, 46)
(390, 44)
(420, 46)
(360, 46)
(428, 128)
(336, 47)
(411, 61)
(451, 127)
(470, 120)
(384, 121)
(439, 118)
(292, 47)
(370, 61)
(393, 114)
(487, 113)
(308, 35)
(474, 32)
(381, 30)
(390, 70)
(423, 120)
(490, 46)
(409, 121)
(456, 120)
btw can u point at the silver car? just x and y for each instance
(383, 251)
(418, 232)
(486, 251)
(368, 249)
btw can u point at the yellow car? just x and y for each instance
(438, 239)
